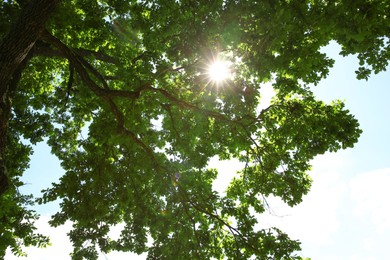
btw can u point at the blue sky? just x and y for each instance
(345, 216)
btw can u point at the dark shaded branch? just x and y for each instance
(98, 55)
(123, 130)
(22, 37)
(105, 93)
(75, 60)
(112, 77)
(139, 57)
(183, 104)
(168, 109)
(5, 108)
(83, 68)
(40, 49)
(14, 48)
(4, 183)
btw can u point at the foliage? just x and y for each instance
(17, 220)
(134, 74)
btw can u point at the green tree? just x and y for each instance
(135, 74)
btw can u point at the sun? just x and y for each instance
(219, 71)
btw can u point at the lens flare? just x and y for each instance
(219, 71)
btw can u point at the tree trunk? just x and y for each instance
(13, 51)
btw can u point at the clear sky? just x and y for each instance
(345, 216)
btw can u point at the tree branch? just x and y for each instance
(105, 93)
(14, 48)
(183, 104)
(41, 49)
(85, 70)
(234, 231)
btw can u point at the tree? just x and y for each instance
(134, 73)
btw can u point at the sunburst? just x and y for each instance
(219, 71)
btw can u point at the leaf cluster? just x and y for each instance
(119, 90)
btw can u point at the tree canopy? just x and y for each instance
(134, 76)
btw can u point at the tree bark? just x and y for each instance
(13, 51)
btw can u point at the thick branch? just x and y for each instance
(81, 67)
(123, 130)
(75, 60)
(22, 37)
(13, 51)
(47, 51)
